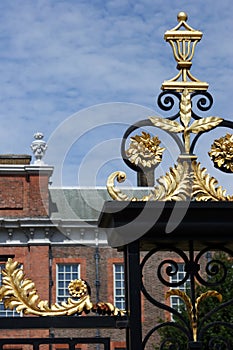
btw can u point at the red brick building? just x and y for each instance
(53, 233)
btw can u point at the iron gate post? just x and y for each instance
(133, 295)
(196, 345)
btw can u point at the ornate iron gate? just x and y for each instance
(186, 213)
(71, 342)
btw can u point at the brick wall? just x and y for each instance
(24, 191)
(35, 265)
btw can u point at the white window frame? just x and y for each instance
(6, 312)
(175, 301)
(64, 277)
(119, 286)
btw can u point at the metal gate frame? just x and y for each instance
(75, 322)
(36, 342)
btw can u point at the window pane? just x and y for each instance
(177, 302)
(119, 286)
(65, 274)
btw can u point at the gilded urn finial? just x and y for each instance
(183, 40)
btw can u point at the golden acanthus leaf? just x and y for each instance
(19, 292)
(204, 124)
(182, 182)
(181, 294)
(203, 296)
(175, 185)
(166, 124)
(205, 187)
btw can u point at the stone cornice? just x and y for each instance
(28, 169)
(28, 231)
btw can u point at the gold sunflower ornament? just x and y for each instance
(144, 150)
(222, 152)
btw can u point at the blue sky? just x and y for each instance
(62, 58)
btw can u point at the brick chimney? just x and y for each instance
(23, 187)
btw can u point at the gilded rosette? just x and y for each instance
(222, 152)
(78, 288)
(144, 150)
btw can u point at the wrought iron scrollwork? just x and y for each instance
(215, 269)
(204, 102)
(166, 102)
(171, 270)
(168, 343)
(219, 343)
(215, 273)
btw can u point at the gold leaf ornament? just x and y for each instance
(184, 297)
(203, 296)
(175, 185)
(204, 124)
(185, 108)
(18, 292)
(205, 187)
(166, 124)
(193, 311)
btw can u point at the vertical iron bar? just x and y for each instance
(145, 178)
(97, 285)
(71, 345)
(195, 345)
(107, 344)
(192, 271)
(126, 290)
(133, 282)
(36, 346)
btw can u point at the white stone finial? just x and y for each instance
(39, 147)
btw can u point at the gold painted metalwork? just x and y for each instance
(185, 181)
(175, 185)
(144, 150)
(116, 194)
(18, 292)
(183, 40)
(205, 187)
(222, 152)
(193, 312)
(200, 125)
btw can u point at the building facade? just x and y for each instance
(53, 234)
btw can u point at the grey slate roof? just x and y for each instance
(82, 203)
